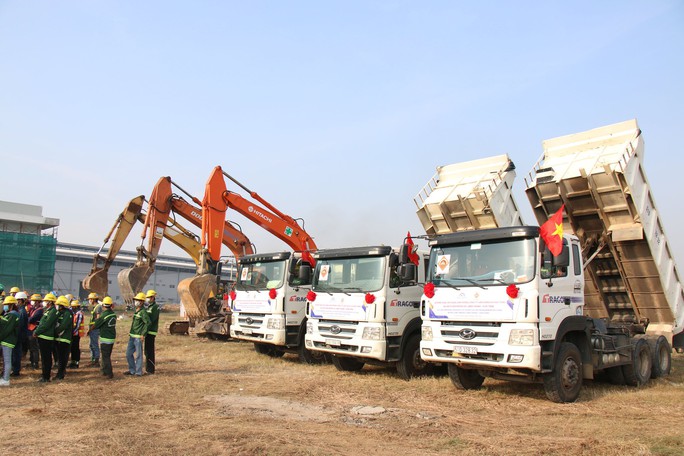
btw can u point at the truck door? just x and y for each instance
(560, 293)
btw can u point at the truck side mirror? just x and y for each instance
(407, 272)
(404, 254)
(305, 273)
(563, 259)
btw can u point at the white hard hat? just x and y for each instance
(21, 295)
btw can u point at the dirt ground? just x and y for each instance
(212, 397)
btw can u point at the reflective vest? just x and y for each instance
(79, 324)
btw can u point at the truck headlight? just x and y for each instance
(426, 333)
(309, 327)
(274, 323)
(233, 319)
(373, 333)
(521, 337)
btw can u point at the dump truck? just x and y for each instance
(269, 296)
(593, 292)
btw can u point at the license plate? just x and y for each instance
(464, 350)
(333, 342)
(247, 331)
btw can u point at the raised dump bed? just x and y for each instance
(630, 271)
(469, 195)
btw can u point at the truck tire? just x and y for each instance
(615, 375)
(268, 350)
(411, 364)
(343, 363)
(565, 382)
(661, 357)
(464, 379)
(307, 356)
(638, 372)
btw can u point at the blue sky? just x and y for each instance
(335, 111)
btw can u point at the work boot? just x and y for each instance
(4, 382)
(43, 380)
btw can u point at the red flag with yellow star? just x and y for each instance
(552, 232)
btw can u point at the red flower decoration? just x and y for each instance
(311, 296)
(429, 289)
(272, 293)
(232, 295)
(512, 291)
(370, 298)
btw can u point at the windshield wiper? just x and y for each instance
(335, 289)
(446, 282)
(470, 281)
(353, 289)
(248, 286)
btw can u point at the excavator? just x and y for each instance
(269, 298)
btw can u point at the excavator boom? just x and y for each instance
(97, 281)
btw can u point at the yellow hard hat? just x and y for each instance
(36, 297)
(93, 296)
(14, 290)
(107, 301)
(10, 300)
(50, 297)
(62, 301)
(75, 303)
(139, 297)
(151, 294)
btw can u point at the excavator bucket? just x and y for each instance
(132, 280)
(97, 282)
(194, 294)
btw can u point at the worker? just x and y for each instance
(65, 322)
(22, 340)
(9, 333)
(106, 325)
(94, 334)
(33, 320)
(2, 290)
(76, 334)
(45, 333)
(139, 328)
(152, 310)
(14, 291)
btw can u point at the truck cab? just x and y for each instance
(269, 304)
(361, 311)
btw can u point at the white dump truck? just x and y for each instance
(360, 311)
(499, 304)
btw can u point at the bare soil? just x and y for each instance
(214, 397)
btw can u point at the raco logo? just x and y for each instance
(547, 299)
(397, 303)
(297, 298)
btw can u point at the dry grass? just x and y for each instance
(214, 397)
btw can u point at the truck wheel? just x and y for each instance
(342, 363)
(565, 382)
(262, 349)
(465, 379)
(411, 364)
(638, 371)
(615, 375)
(661, 357)
(307, 356)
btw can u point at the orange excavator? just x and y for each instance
(163, 202)
(269, 298)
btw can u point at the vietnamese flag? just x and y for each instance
(412, 256)
(552, 232)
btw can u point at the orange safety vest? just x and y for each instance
(79, 324)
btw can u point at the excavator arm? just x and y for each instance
(162, 203)
(96, 281)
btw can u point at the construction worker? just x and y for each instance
(2, 290)
(22, 340)
(33, 320)
(106, 325)
(45, 333)
(14, 291)
(152, 310)
(94, 333)
(9, 333)
(65, 323)
(77, 333)
(139, 328)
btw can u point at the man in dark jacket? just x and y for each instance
(45, 333)
(22, 339)
(63, 332)
(152, 310)
(139, 327)
(34, 318)
(9, 332)
(106, 325)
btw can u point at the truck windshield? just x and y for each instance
(365, 274)
(496, 262)
(261, 275)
